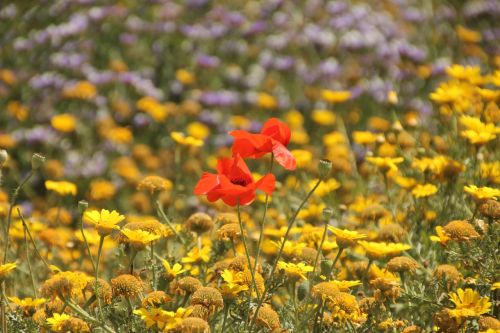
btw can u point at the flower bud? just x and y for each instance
(303, 290)
(82, 206)
(324, 168)
(327, 214)
(3, 157)
(326, 267)
(37, 161)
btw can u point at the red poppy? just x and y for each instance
(233, 182)
(273, 138)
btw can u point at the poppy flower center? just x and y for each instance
(239, 181)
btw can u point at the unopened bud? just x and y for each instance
(327, 214)
(326, 267)
(324, 168)
(303, 290)
(82, 206)
(3, 157)
(37, 161)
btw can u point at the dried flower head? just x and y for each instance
(461, 231)
(208, 297)
(490, 208)
(402, 264)
(156, 298)
(445, 322)
(200, 311)
(65, 284)
(267, 317)
(449, 273)
(74, 325)
(101, 288)
(187, 285)
(488, 322)
(194, 325)
(229, 231)
(154, 184)
(325, 290)
(126, 285)
(392, 232)
(226, 218)
(199, 223)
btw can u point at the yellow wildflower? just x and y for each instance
(332, 96)
(482, 193)
(81, 90)
(64, 123)
(184, 140)
(441, 236)
(184, 76)
(295, 271)
(323, 117)
(104, 221)
(424, 190)
(5, 269)
(468, 303)
(172, 271)
(62, 188)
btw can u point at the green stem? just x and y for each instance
(33, 284)
(25, 226)
(262, 223)
(153, 268)
(320, 247)
(87, 316)
(246, 253)
(86, 243)
(99, 250)
(280, 252)
(335, 261)
(11, 207)
(164, 217)
(226, 312)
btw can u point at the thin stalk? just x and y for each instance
(86, 243)
(320, 247)
(33, 284)
(263, 222)
(226, 312)
(87, 316)
(164, 217)
(99, 250)
(9, 216)
(335, 261)
(153, 268)
(246, 253)
(25, 227)
(280, 252)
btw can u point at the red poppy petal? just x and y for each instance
(266, 183)
(240, 170)
(228, 188)
(224, 165)
(283, 156)
(277, 130)
(247, 198)
(250, 145)
(230, 200)
(207, 183)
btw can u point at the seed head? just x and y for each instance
(461, 231)
(402, 264)
(126, 285)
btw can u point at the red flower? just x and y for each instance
(233, 182)
(273, 138)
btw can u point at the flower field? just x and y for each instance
(250, 166)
